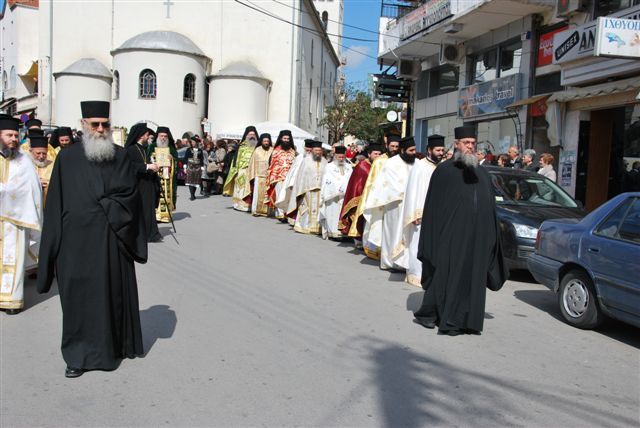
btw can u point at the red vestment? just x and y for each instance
(281, 161)
(352, 198)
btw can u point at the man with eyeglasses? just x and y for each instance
(459, 243)
(93, 233)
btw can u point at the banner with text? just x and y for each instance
(488, 97)
(617, 37)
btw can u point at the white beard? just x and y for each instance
(469, 159)
(163, 144)
(99, 148)
(41, 164)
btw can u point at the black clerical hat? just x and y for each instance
(405, 143)
(33, 122)
(308, 143)
(340, 150)
(375, 147)
(35, 132)
(435, 141)
(393, 137)
(466, 131)
(247, 130)
(163, 129)
(38, 142)
(65, 131)
(94, 109)
(313, 143)
(9, 123)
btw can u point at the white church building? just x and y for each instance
(184, 63)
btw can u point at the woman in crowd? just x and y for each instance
(219, 154)
(503, 160)
(546, 166)
(528, 160)
(209, 166)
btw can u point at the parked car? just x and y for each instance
(182, 165)
(523, 201)
(593, 264)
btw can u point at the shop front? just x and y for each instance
(596, 119)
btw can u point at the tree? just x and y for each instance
(352, 114)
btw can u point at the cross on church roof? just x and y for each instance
(168, 3)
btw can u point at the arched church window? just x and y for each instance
(116, 85)
(148, 84)
(189, 88)
(5, 81)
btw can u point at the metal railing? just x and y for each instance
(397, 9)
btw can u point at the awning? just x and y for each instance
(6, 103)
(528, 101)
(596, 90)
(32, 72)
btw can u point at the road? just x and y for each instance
(247, 323)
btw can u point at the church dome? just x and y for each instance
(240, 69)
(86, 67)
(164, 41)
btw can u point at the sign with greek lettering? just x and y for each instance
(618, 37)
(580, 42)
(489, 97)
(424, 17)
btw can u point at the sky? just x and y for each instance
(364, 14)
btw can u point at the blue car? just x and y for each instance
(593, 264)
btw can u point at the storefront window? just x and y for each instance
(443, 80)
(442, 126)
(631, 139)
(497, 135)
(499, 61)
(607, 7)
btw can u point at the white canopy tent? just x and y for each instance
(273, 128)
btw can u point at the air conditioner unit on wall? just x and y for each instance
(451, 54)
(569, 7)
(408, 69)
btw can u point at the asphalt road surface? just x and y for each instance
(247, 323)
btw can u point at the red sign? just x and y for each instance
(539, 108)
(545, 47)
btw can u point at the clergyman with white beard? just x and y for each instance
(459, 243)
(93, 233)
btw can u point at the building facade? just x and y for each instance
(163, 67)
(498, 64)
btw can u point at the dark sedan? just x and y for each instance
(593, 264)
(523, 201)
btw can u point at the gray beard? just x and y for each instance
(9, 152)
(99, 149)
(163, 144)
(41, 164)
(469, 159)
(316, 158)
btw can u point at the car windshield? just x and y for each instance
(530, 190)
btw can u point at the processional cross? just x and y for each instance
(168, 3)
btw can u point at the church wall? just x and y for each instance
(254, 91)
(73, 89)
(168, 108)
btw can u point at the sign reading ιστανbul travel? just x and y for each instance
(617, 37)
(488, 97)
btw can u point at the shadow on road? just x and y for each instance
(522, 275)
(414, 301)
(415, 390)
(180, 216)
(158, 322)
(32, 297)
(547, 301)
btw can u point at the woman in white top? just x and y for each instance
(546, 166)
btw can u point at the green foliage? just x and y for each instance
(352, 114)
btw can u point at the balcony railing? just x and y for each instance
(397, 9)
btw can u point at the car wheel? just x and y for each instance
(578, 302)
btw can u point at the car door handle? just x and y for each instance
(593, 250)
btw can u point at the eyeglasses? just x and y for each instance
(96, 125)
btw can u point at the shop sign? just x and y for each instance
(424, 17)
(617, 37)
(545, 47)
(488, 97)
(539, 108)
(579, 42)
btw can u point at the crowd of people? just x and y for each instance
(82, 212)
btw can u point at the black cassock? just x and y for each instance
(459, 248)
(148, 187)
(93, 232)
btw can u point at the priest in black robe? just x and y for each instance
(459, 243)
(148, 180)
(93, 233)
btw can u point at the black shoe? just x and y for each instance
(12, 311)
(425, 323)
(72, 372)
(455, 332)
(157, 238)
(192, 198)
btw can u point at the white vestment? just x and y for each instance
(382, 210)
(284, 201)
(334, 185)
(414, 198)
(20, 224)
(306, 191)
